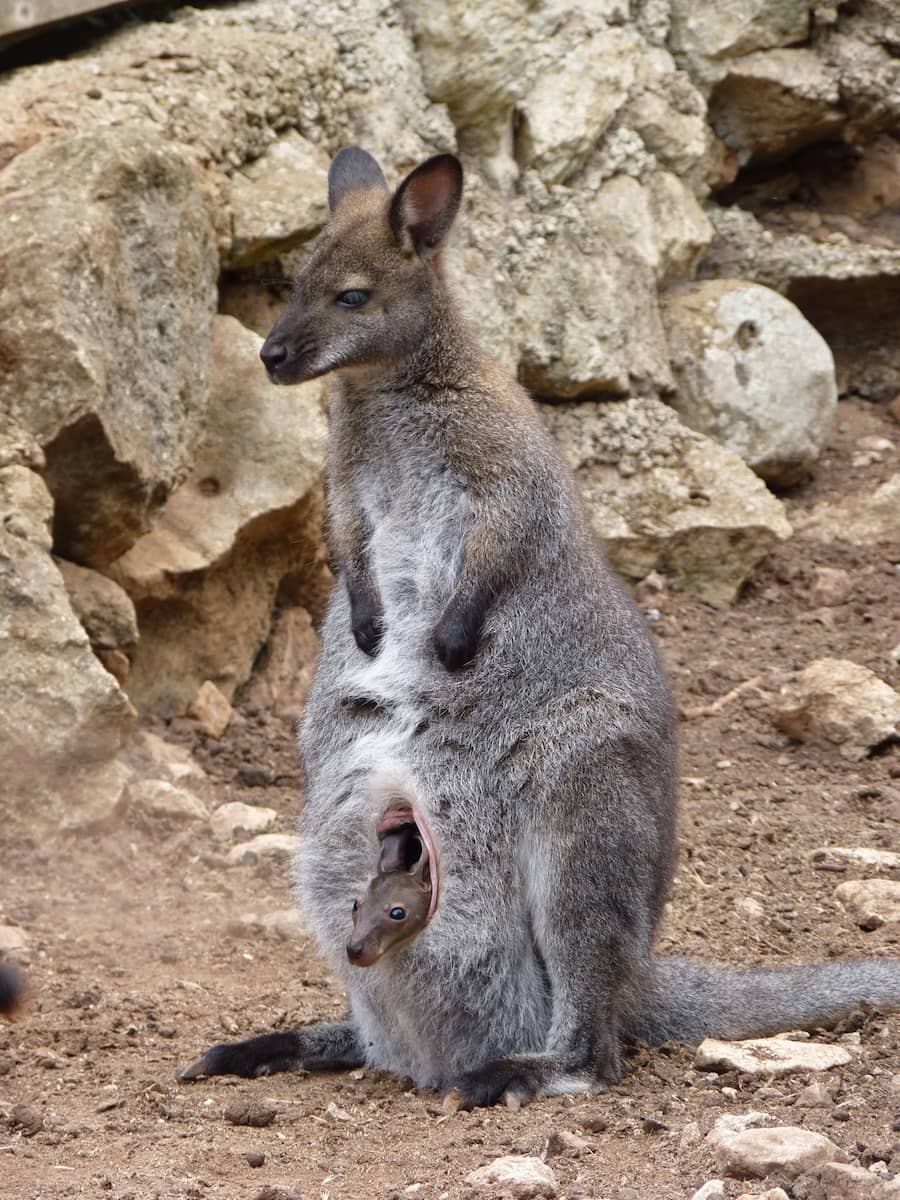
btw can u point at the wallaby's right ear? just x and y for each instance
(352, 170)
(426, 203)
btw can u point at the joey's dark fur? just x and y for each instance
(482, 663)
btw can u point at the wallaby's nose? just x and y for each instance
(354, 950)
(273, 354)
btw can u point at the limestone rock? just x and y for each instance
(109, 257)
(572, 101)
(241, 526)
(871, 902)
(713, 1189)
(235, 818)
(776, 1193)
(519, 1174)
(774, 102)
(815, 1095)
(76, 717)
(831, 587)
(861, 518)
(281, 683)
(837, 704)
(665, 498)
(863, 856)
(736, 27)
(660, 219)
(155, 800)
(766, 1057)
(844, 1181)
(264, 845)
(211, 709)
(96, 799)
(752, 373)
(279, 200)
(102, 607)
(785, 1150)
(13, 939)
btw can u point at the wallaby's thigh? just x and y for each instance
(593, 851)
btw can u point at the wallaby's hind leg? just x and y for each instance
(590, 889)
(332, 1047)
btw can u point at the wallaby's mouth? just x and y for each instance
(402, 812)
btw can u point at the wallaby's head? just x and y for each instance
(393, 908)
(364, 296)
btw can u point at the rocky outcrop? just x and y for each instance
(62, 716)
(243, 525)
(664, 498)
(109, 256)
(752, 373)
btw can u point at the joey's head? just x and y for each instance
(365, 295)
(393, 909)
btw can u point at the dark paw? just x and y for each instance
(506, 1079)
(366, 620)
(266, 1055)
(368, 634)
(455, 641)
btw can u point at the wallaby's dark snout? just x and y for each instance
(273, 354)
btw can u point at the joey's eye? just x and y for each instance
(397, 913)
(355, 298)
(355, 905)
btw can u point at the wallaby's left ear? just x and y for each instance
(426, 202)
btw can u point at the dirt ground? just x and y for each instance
(140, 957)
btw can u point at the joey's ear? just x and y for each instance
(352, 170)
(426, 202)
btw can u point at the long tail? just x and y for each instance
(687, 1000)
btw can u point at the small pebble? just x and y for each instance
(840, 1114)
(594, 1124)
(255, 1158)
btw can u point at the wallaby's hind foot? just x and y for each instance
(316, 1048)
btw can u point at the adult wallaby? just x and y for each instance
(484, 675)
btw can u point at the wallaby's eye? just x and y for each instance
(397, 913)
(355, 298)
(355, 905)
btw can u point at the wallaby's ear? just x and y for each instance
(426, 202)
(352, 170)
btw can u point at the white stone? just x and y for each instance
(233, 818)
(863, 856)
(750, 908)
(766, 1057)
(265, 845)
(838, 704)
(175, 762)
(871, 902)
(157, 799)
(785, 1150)
(770, 1194)
(713, 1189)
(529, 1176)
(752, 373)
(665, 498)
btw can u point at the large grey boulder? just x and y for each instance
(752, 373)
(665, 498)
(109, 265)
(242, 524)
